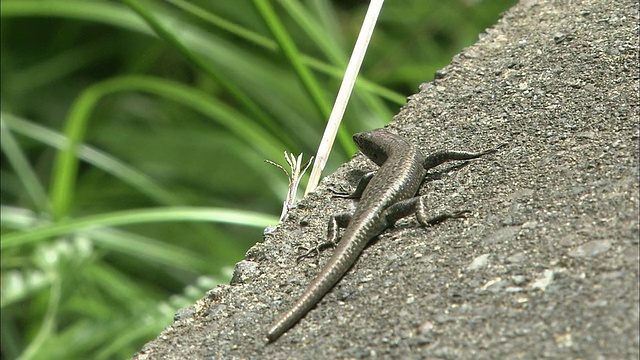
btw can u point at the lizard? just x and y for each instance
(385, 197)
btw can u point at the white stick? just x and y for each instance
(344, 93)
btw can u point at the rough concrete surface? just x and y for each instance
(547, 265)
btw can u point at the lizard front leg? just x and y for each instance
(441, 157)
(416, 205)
(357, 193)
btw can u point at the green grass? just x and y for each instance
(133, 139)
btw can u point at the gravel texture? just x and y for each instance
(547, 264)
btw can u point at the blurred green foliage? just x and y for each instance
(133, 140)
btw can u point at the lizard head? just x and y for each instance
(373, 144)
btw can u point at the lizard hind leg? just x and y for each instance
(337, 221)
(425, 221)
(416, 205)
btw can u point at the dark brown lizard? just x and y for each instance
(385, 198)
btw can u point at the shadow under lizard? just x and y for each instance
(386, 197)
